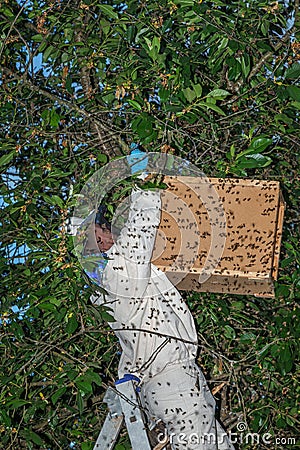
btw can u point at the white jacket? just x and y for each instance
(154, 326)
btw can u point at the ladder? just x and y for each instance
(123, 405)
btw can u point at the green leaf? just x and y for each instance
(87, 446)
(79, 401)
(152, 47)
(239, 305)
(69, 85)
(135, 104)
(287, 261)
(47, 53)
(72, 324)
(84, 382)
(290, 420)
(102, 158)
(95, 377)
(130, 33)
(280, 422)
(198, 89)
(5, 159)
(72, 374)
(16, 403)
(260, 143)
(38, 38)
(107, 317)
(57, 201)
(253, 161)
(246, 337)
(245, 64)
(59, 393)
(156, 43)
(274, 350)
(108, 11)
(294, 92)
(145, 128)
(164, 94)
(189, 94)
(265, 27)
(218, 94)
(293, 72)
(55, 301)
(7, 12)
(282, 290)
(5, 418)
(31, 436)
(229, 332)
(47, 306)
(295, 104)
(257, 145)
(84, 386)
(184, 3)
(283, 118)
(54, 119)
(211, 106)
(46, 116)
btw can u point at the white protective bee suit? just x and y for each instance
(157, 333)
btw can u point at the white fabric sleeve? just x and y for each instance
(143, 220)
(133, 250)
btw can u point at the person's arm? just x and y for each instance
(133, 249)
(140, 229)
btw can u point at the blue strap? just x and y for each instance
(127, 377)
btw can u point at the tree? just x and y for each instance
(212, 82)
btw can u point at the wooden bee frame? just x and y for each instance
(251, 240)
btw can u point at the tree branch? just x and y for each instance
(103, 128)
(280, 44)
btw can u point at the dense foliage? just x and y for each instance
(214, 82)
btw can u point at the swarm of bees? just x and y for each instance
(253, 212)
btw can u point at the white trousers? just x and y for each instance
(180, 397)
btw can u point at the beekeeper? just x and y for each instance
(155, 329)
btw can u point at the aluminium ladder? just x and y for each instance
(123, 405)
